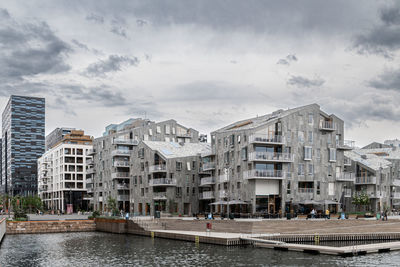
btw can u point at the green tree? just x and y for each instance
(361, 200)
(112, 205)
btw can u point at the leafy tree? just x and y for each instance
(112, 205)
(361, 200)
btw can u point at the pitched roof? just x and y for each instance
(369, 160)
(170, 150)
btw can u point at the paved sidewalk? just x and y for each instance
(48, 217)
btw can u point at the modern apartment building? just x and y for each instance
(56, 136)
(393, 143)
(23, 142)
(165, 177)
(113, 154)
(269, 163)
(62, 173)
(377, 174)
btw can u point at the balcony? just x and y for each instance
(159, 195)
(396, 182)
(266, 139)
(90, 171)
(372, 194)
(100, 199)
(43, 187)
(89, 189)
(208, 166)
(120, 163)
(327, 126)
(366, 180)
(346, 145)
(122, 197)
(264, 174)
(271, 157)
(128, 142)
(207, 195)
(88, 198)
(91, 152)
(120, 152)
(184, 134)
(223, 194)
(207, 181)
(89, 180)
(163, 182)
(223, 178)
(347, 162)
(345, 177)
(395, 195)
(347, 192)
(158, 168)
(122, 186)
(89, 162)
(120, 175)
(306, 190)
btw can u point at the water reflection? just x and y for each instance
(102, 249)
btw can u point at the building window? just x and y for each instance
(244, 153)
(300, 137)
(310, 137)
(301, 169)
(310, 119)
(188, 166)
(310, 170)
(178, 166)
(332, 154)
(307, 153)
(318, 187)
(150, 132)
(288, 188)
(167, 129)
(238, 139)
(158, 129)
(232, 140)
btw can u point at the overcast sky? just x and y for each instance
(204, 63)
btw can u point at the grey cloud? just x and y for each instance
(141, 22)
(286, 61)
(118, 27)
(113, 63)
(303, 82)
(388, 80)
(86, 48)
(28, 49)
(4, 13)
(95, 18)
(384, 38)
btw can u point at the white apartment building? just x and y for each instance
(62, 177)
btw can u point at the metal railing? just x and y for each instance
(264, 174)
(122, 186)
(207, 181)
(347, 192)
(120, 152)
(207, 195)
(91, 151)
(345, 177)
(271, 156)
(347, 162)
(266, 139)
(121, 163)
(90, 170)
(122, 197)
(208, 166)
(121, 141)
(327, 125)
(157, 168)
(223, 194)
(120, 175)
(396, 182)
(396, 195)
(306, 190)
(223, 178)
(163, 182)
(366, 180)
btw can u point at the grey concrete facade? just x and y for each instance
(274, 161)
(165, 177)
(114, 152)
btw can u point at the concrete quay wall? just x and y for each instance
(2, 229)
(41, 227)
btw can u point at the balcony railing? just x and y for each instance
(207, 195)
(345, 177)
(327, 126)
(121, 164)
(89, 181)
(306, 190)
(163, 182)
(122, 186)
(159, 195)
(91, 151)
(270, 156)
(122, 197)
(223, 178)
(346, 145)
(396, 182)
(208, 166)
(120, 175)
(372, 194)
(120, 152)
(89, 189)
(89, 162)
(396, 195)
(266, 139)
(121, 141)
(207, 181)
(158, 168)
(366, 180)
(223, 194)
(264, 174)
(90, 171)
(184, 134)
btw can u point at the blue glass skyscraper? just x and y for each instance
(23, 142)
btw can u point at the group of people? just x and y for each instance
(327, 214)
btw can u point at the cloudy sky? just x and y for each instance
(204, 63)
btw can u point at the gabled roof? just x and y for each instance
(268, 118)
(169, 150)
(369, 160)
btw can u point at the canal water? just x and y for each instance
(104, 249)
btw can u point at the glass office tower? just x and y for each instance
(23, 142)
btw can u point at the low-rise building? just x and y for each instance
(62, 173)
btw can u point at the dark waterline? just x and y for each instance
(103, 249)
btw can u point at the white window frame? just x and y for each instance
(332, 154)
(307, 153)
